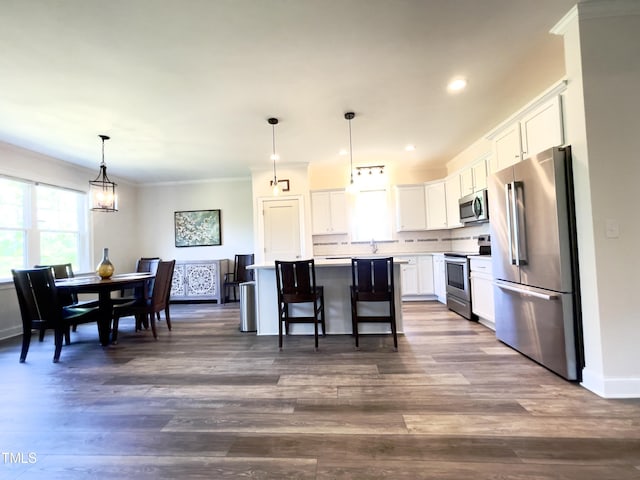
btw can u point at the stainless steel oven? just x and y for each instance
(458, 284)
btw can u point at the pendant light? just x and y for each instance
(103, 190)
(351, 187)
(274, 156)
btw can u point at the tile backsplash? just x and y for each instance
(460, 239)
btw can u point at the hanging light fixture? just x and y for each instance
(274, 156)
(351, 187)
(103, 190)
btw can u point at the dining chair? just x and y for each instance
(67, 298)
(41, 309)
(148, 307)
(372, 281)
(143, 264)
(240, 274)
(296, 283)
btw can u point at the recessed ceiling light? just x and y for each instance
(410, 148)
(457, 84)
(343, 151)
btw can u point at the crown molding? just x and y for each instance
(596, 9)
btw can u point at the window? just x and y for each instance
(371, 216)
(41, 224)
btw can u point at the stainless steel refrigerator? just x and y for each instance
(534, 256)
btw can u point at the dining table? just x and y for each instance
(104, 288)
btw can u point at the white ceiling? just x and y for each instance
(185, 87)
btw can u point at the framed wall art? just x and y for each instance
(198, 228)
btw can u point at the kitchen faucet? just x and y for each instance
(374, 246)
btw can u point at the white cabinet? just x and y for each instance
(411, 212)
(436, 206)
(479, 175)
(482, 290)
(329, 212)
(425, 275)
(536, 128)
(474, 177)
(542, 128)
(506, 148)
(466, 181)
(439, 279)
(417, 277)
(409, 276)
(452, 194)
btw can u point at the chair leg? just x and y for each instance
(41, 335)
(315, 331)
(152, 319)
(59, 334)
(67, 335)
(324, 329)
(26, 340)
(280, 327)
(354, 321)
(393, 326)
(167, 317)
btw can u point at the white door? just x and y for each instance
(281, 229)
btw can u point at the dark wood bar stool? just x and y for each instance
(296, 282)
(372, 281)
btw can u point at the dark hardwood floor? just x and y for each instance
(209, 402)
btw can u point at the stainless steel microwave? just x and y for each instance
(474, 208)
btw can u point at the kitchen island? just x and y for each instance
(335, 276)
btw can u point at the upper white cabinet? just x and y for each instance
(452, 194)
(542, 128)
(411, 208)
(474, 177)
(480, 172)
(436, 206)
(329, 212)
(529, 132)
(507, 149)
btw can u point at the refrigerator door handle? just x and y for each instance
(518, 225)
(508, 194)
(522, 291)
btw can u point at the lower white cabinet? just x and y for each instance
(417, 277)
(482, 290)
(199, 280)
(439, 277)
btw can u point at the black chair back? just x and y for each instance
(162, 285)
(372, 278)
(241, 274)
(62, 270)
(39, 306)
(296, 280)
(37, 296)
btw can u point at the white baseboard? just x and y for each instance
(611, 387)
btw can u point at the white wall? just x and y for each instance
(156, 205)
(601, 46)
